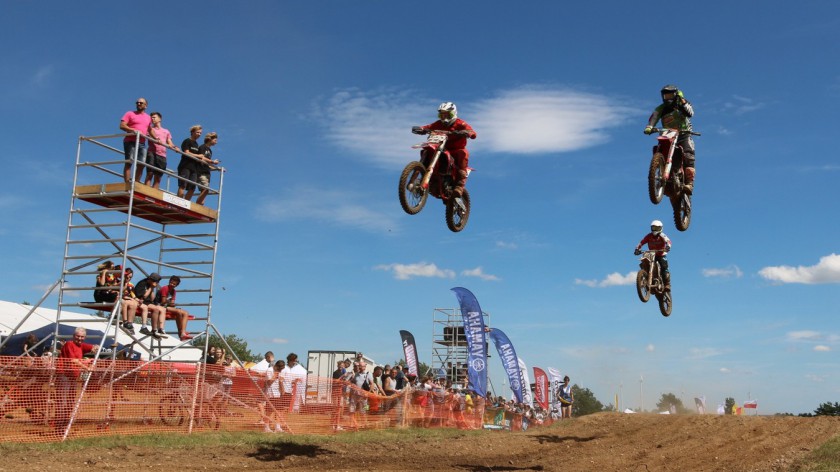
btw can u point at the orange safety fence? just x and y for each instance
(46, 399)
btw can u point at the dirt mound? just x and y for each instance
(601, 442)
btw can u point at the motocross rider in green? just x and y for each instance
(675, 113)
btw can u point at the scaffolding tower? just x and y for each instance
(135, 226)
(449, 344)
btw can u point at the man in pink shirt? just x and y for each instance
(132, 122)
(157, 152)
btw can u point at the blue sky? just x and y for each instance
(313, 102)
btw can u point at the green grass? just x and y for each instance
(825, 458)
(241, 439)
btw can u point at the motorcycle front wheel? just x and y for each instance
(682, 211)
(458, 214)
(642, 287)
(412, 195)
(665, 303)
(656, 181)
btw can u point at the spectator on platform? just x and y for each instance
(146, 291)
(203, 167)
(71, 366)
(105, 284)
(130, 303)
(132, 122)
(166, 298)
(188, 167)
(156, 158)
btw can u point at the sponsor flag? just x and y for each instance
(410, 350)
(476, 341)
(555, 380)
(751, 404)
(527, 397)
(509, 361)
(541, 388)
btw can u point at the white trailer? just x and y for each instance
(320, 367)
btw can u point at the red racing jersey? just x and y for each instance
(454, 142)
(661, 243)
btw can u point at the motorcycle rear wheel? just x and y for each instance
(682, 211)
(665, 303)
(642, 288)
(456, 218)
(656, 181)
(412, 195)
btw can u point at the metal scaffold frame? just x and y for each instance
(449, 343)
(133, 225)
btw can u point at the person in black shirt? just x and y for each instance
(187, 168)
(203, 168)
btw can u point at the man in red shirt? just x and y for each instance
(456, 145)
(70, 368)
(166, 299)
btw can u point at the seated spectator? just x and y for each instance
(146, 291)
(130, 303)
(166, 298)
(105, 278)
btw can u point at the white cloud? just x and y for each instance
(821, 348)
(804, 335)
(815, 377)
(724, 272)
(479, 272)
(506, 245)
(741, 105)
(42, 76)
(531, 120)
(420, 269)
(610, 280)
(703, 352)
(331, 206)
(724, 370)
(826, 271)
(650, 348)
(279, 341)
(376, 124)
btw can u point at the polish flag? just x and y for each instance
(751, 404)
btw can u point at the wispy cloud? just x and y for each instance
(375, 124)
(703, 352)
(330, 206)
(822, 348)
(826, 271)
(610, 280)
(741, 105)
(725, 370)
(479, 272)
(725, 272)
(419, 269)
(42, 76)
(559, 120)
(805, 335)
(506, 245)
(650, 348)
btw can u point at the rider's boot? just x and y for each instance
(462, 182)
(666, 277)
(689, 180)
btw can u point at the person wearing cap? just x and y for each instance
(146, 291)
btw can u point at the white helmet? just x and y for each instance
(656, 227)
(448, 113)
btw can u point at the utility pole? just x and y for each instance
(641, 394)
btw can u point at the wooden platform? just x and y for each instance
(149, 203)
(107, 307)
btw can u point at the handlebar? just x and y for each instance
(421, 131)
(662, 130)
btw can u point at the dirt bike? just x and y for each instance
(649, 280)
(666, 175)
(436, 174)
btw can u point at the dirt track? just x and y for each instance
(601, 442)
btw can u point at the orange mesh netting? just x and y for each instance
(42, 399)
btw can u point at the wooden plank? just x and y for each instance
(149, 203)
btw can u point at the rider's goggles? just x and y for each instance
(669, 96)
(445, 115)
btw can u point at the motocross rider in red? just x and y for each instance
(676, 113)
(659, 242)
(457, 144)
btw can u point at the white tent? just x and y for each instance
(11, 315)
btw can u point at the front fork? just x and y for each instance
(432, 164)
